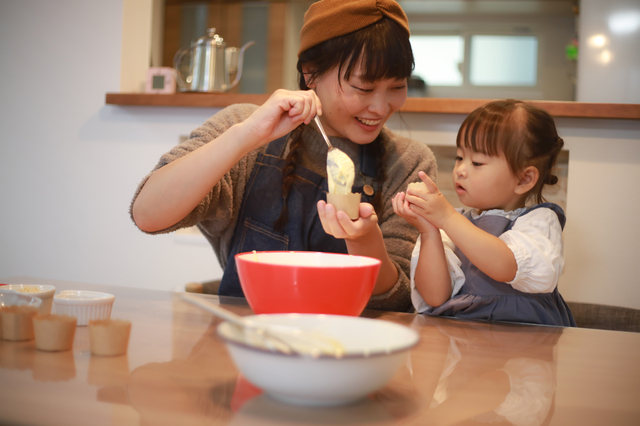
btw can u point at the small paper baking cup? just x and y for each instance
(54, 332)
(17, 322)
(348, 203)
(109, 337)
(84, 305)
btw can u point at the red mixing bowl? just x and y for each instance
(306, 282)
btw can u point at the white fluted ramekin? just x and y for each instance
(84, 305)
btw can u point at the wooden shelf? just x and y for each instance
(184, 99)
(421, 105)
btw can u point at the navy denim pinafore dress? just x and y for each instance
(262, 203)
(482, 297)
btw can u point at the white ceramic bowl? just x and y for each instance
(84, 305)
(11, 298)
(374, 351)
(43, 292)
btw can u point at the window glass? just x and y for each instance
(438, 58)
(503, 60)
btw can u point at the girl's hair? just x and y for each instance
(380, 51)
(524, 134)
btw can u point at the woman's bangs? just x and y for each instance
(389, 61)
(385, 53)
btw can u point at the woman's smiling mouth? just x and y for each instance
(368, 122)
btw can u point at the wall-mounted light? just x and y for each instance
(623, 23)
(597, 40)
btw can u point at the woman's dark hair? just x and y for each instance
(524, 134)
(382, 51)
(383, 48)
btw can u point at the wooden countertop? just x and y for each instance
(421, 105)
(178, 372)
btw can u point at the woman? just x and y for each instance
(254, 178)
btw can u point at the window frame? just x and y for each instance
(467, 90)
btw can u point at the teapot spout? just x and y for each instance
(233, 57)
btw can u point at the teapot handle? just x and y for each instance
(240, 59)
(177, 61)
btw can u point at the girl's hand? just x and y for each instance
(280, 114)
(338, 224)
(402, 208)
(428, 202)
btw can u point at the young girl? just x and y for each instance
(501, 260)
(254, 177)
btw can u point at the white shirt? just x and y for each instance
(536, 242)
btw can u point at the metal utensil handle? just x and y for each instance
(217, 310)
(324, 135)
(273, 342)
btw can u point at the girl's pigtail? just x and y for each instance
(552, 179)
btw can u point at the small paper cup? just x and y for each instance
(348, 203)
(109, 337)
(54, 332)
(17, 322)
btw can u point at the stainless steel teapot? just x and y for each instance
(211, 64)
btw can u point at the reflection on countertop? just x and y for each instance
(178, 371)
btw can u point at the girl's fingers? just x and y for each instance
(428, 182)
(401, 207)
(412, 199)
(394, 203)
(398, 203)
(416, 204)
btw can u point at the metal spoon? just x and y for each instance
(339, 166)
(324, 135)
(281, 339)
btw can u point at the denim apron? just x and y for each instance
(482, 297)
(262, 203)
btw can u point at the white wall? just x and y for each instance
(69, 165)
(609, 63)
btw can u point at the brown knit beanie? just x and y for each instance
(327, 19)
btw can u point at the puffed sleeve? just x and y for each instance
(536, 242)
